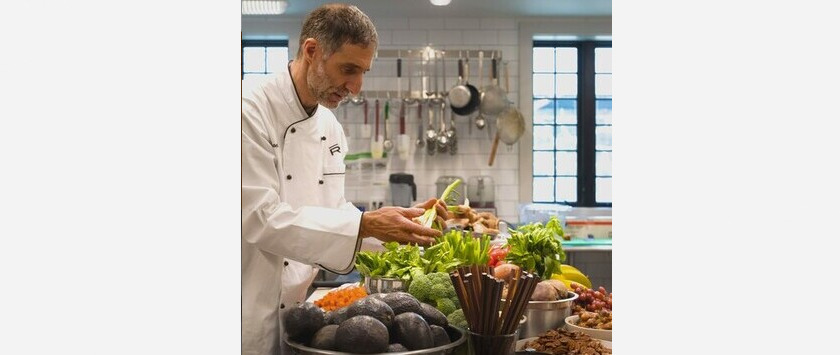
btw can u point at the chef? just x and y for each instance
(294, 215)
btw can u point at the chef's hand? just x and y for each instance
(394, 224)
(440, 206)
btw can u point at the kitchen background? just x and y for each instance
(496, 28)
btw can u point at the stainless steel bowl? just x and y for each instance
(546, 315)
(384, 285)
(456, 333)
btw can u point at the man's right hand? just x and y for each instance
(394, 224)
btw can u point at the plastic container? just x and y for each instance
(538, 212)
(596, 227)
(481, 191)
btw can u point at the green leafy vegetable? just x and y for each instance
(537, 248)
(395, 262)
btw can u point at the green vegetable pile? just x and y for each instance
(427, 273)
(395, 262)
(456, 248)
(537, 249)
(453, 249)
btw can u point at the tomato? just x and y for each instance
(497, 255)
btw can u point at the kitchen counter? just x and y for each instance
(587, 245)
(318, 293)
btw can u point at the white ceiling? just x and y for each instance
(464, 8)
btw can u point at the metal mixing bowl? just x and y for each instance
(546, 315)
(454, 333)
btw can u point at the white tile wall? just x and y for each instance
(488, 34)
(473, 144)
(462, 23)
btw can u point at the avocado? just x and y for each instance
(379, 295)
(362, 335)
(439, 335)
(412, 331)
(303, 320)
(337, 316)
(374, 307)
(324, 338)
(432, 315)
(396, 347)
(401, 302)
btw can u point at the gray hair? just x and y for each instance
(333, 25)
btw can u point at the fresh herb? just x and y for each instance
(537, 248)
(456, 248)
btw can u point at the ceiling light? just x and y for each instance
(440, 2)
(264, 7)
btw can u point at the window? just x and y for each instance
(261, 59)
(572, 122)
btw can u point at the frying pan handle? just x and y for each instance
(507, 78)
(493, 150)
(495, 73)
(460, 71)
(480, 68)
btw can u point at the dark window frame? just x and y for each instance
(586, 112)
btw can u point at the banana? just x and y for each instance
(565, 268)
(571, 274)
(578, 278)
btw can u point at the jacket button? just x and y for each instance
(293, 130)
(282, 306)
(321, 182)
(288, 177)
(323, 138)
(285, 263)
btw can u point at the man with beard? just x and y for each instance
(294, 215)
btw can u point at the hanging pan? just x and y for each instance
(464, 98)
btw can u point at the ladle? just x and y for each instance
(408, 99)
(451, 134)
(421, 142)
(480, 122)
(431, 133)
(442, 137)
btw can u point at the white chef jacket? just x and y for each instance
(294, 215)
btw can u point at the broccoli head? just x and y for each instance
(457, 319)
(420, 287)
(445, 305)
